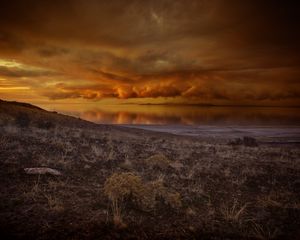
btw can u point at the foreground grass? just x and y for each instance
(127, 184)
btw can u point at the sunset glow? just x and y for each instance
(243, 53)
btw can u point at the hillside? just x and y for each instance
(15, 112)
(122, 183)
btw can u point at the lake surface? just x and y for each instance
(184, 115)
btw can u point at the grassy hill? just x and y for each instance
(122, 183)
(17, 113)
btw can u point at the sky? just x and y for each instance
(224, 52)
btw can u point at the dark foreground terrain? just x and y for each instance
(122, 183)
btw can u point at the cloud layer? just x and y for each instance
(230, 52)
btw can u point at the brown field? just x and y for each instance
(123, 183)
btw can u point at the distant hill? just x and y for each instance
(27, 115)
(14, 103)
(12, 112)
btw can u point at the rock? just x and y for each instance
(246, 141)
(237, 141)
(42, 170)
(250, 142)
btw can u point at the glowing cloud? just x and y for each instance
(237, 52)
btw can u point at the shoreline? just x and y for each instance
(271, 132)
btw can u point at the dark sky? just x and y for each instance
(205, 51)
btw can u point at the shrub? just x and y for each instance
(118, 187)
(158, 190)
(158, 161)
(121, 186)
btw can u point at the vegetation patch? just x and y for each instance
(159, 161)
(122, 187)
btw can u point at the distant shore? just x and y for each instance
(275, 133)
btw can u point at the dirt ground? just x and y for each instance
(122, 183)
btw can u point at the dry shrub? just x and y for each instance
(159, 161)
(158, 190)
(119, 186)
(122, 186)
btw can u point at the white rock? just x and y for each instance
(42, 170)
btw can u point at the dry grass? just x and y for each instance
(35, 191)
(110, 146)
(264, 232)
(97, 150)
(3, 143)
(269, 200)
(54, 203)
(11, 129)
(127, 164)
(66, 149)
(234, 212)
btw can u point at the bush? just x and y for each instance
(159, 161)
(121, 186)
(158, 190)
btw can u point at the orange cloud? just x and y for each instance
(242, 52)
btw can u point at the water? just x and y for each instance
(183, 115)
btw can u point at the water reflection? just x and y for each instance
(192, 115)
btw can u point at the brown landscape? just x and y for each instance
(98, 181)
(153, 119)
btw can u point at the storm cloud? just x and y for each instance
(198, 51)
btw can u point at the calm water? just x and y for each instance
(184, 115)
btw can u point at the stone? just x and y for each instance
(42, 170)
(246, 141)
(250, 142)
